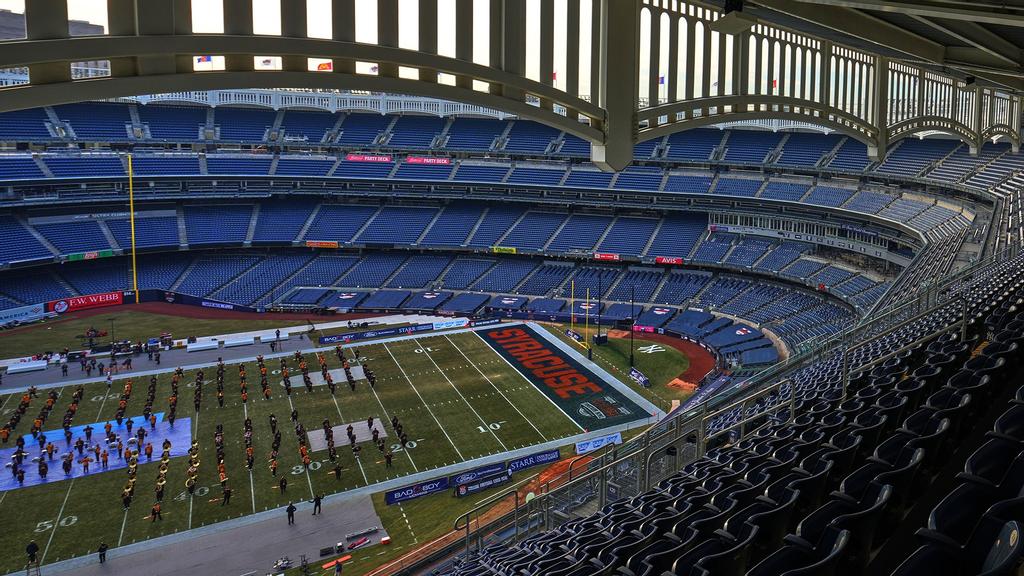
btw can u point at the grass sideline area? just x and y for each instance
(661, 366)
(63, 331)
(456, 397)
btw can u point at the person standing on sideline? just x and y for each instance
(31, 550)
(102, 552)
(316, 503)
(290, 510)
(227, 496)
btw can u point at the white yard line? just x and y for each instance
(252, 489)
(388, 417)
(56, 523)
(457, 391)
(358, 461)
(124, 521)
(308, 479)
(528, 381)
(409, 380)
(514, 407)
(191, 497)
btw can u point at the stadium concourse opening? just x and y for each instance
(336, 296)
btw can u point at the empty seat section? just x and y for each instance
(464, 271)
(173, 123)
(243, 124)
(419, 271)
(803, 149)
(306, 126)
(372, 270)
(96, 120)
(453, 226)
(74, 236)
(84, 165)
(397, 225)
(678, 234)
(17, 243)
(303, 166)
(362, 129)
(693, 145)
(339, 222)
(241, 165)
(473, 133)
(504, 276)
(281, 221)
(527, 137)
(149, 231)
(480, 172)
(415, 131)
(495, 223)
(165, 165)
(580, 233)
(225, 224)
(534, 230)
(750, 147)
(19, 166)
(628, 236)
(27, 125)
(209, 272)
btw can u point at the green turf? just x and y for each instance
(660, 367)
(132, 325)
(457, 399)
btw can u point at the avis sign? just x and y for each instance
(83, 302)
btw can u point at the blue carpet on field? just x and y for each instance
(180, 436)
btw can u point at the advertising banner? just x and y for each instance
(676, 260)
(321, 244)
(598, 443)
(606, 256)
(475, 474)
(574, 335)
(482, 484)
(446, 324)
(434, 160)
(535, 459)
(90, 255)
(368, 157)
(351, 336)
(83, 302)
(503, 249)
(22, 314)
(414, 491)
(639, 377)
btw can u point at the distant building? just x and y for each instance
(12, 26)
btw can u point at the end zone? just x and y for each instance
(590, 397)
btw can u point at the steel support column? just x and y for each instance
(617, 88)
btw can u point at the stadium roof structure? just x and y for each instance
(875, 71)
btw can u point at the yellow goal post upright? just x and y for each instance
(131, 219)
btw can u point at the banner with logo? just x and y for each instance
(639, 377)
(434, 160)
(535, 459)
(606, 256)
(475, 474)
(84, 302)
(482, 484)
(417, 490)
(574, 335)
(321, 244)
(503, 249)
(29, 313)
(668, 260)
(367, 157)
(598, 443)
(446, 324)
(90, 255)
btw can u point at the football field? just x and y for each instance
(458, 396)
